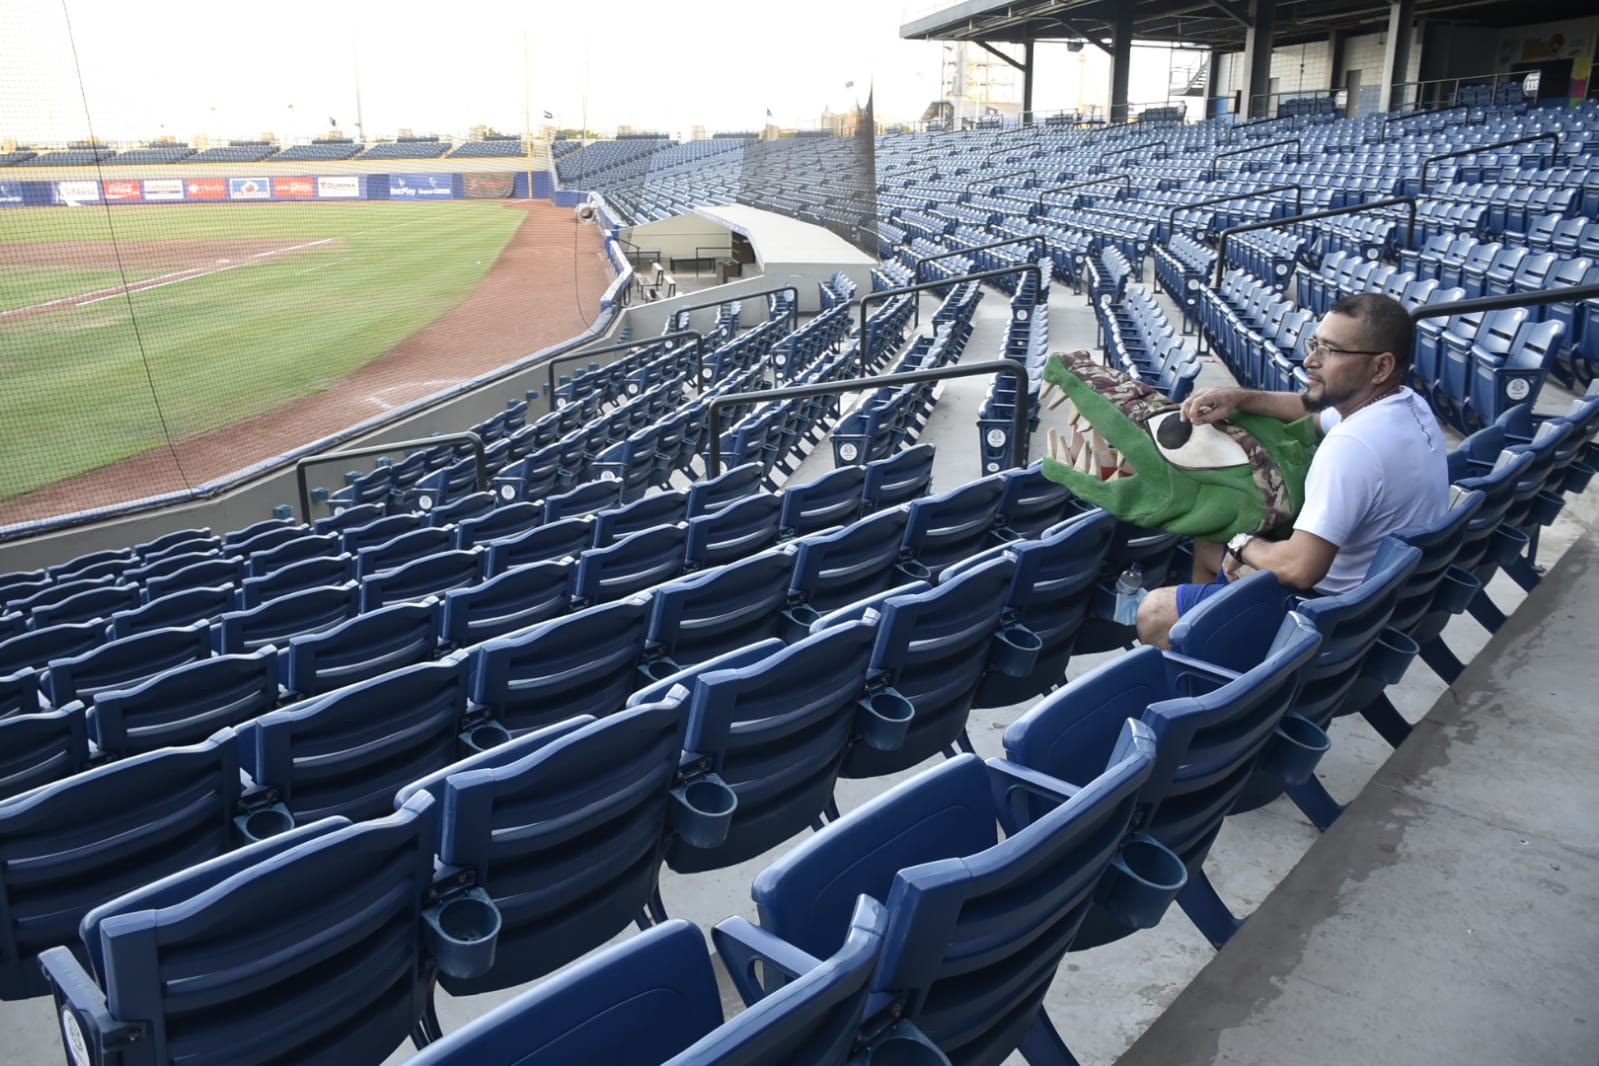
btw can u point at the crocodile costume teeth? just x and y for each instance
(1125, 447)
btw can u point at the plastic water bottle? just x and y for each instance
(1129, 593)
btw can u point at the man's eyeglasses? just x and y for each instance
(1321, 349)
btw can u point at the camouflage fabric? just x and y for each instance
(1123, 446)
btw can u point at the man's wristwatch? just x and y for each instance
(1236, 546)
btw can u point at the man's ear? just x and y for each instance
(1384, 368)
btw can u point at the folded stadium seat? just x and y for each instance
(94, 604)
(958, 890)
(584, 500)
(74, 843)
(934, 646)
(363, 647)
(19, 692)
(1155, 554)
(515, 599)
(564, 829)
(472, 505)
(834, 499)
(663, 983)
(1356, 644)
(54, 592)
(531, 478)
(504, 521)
(234, 541)
(740, 529)
(348, 518)
(373, 487)
(1212, 731)
(297, 549)
(429, 575)
(278, 534)
(543, 543)
(631, 565)
(774, 723)
(659, 508)
(437, 488)
(1500, 382)
(367, 889)
(40, 746)
(946, 528)
(315, 572)
(353, 538)
(898, 479)
(833, 569)
(347, 752)
(1031, 503)
(119, 663)
(208, 573)
(92, 565)
(404, 548)
(36, 648)
(176, 609)
(704, 615)
(194, 539)
(186, 704)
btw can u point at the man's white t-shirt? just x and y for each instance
(1381, 469)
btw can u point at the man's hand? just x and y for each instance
(1210, 405)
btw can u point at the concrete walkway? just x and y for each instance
(1452, 914)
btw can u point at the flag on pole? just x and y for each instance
(548, 115)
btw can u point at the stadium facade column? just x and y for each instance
(1337, 41)
(1027, 83)
(1396, 57)
(1121, 61)
(1257, 51)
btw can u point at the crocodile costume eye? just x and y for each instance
(1192, 447)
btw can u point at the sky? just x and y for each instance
(136, 71)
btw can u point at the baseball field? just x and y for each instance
(123, 330)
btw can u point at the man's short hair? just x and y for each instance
(1384, 323)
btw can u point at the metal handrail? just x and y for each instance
(1019, 417)
(303, 463)
(1043, 251)
(1136, 147)
(1550, 136)
(699, 355)
(1571, 293)
(1355, 209)
(996, 177)
(793, 312)
(875, 297)
(1299, 202)
(1299, 152)
(1125, 179)
(1382, 136)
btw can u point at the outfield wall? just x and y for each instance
(262, 185)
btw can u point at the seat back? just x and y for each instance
(558, 540)
(629, 566)
(952, 525)
(277, 620)
(175, 609)
(898, 479)
(520, 597)
(119, 663)
(429, 575)
(834, 499)
(89, 605)
(583, 663)
(972, 944)
(738, 530)
(660, 508)
(712, 494)
(700, 616)
(348, 752)
(315, 572)
(365, 646)
(584, 500)
(860, 560)
(41, 746)
(504, 521)
(70, 844)
(186, 704)
(37, 648)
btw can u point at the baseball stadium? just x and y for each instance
(649, 542)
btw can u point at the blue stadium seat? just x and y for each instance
(948, 527)
(558, 540)
(631, 565)
(850, 564)
(660, 508)
(96, 604)
(427, 575)
(363, 647)
(583, 663)
(1032, 503)
(36, 649)
(277, 620)
(75, 843)
(712, 494)
(175, 609)
(186, 704)
(740, 529)
(898, 479)
(504, 521)
(119, 663)
(296, 549)
(19, 693)
(407, 547)
(584, 500)
(700, 616)
(41, 746)
(520, 597)
(312, 573)
(834, 499)
(956, 891)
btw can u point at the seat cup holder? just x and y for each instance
(1455, 590)
(1389, 657)
(1143, 879)
(481, 736)
(264, 822)
(884, 718)
(901, 1044)
(1508, 543)
(802, 616)
(462, 932)
(913, 570)
(1293, 750)
(659, 669)
(1546, 506)
(1578, 474)
(702, 810)
(1014, 651)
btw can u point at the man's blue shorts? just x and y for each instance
(1190, 596)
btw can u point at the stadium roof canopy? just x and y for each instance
(1219, 24)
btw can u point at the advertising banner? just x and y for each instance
(163, 188)
(420, 187)
(294, 188)
(207, 188)
(77, 192)
(10, 194)
(342, 188)
(489, 186)
(123, 190)
(249, 189)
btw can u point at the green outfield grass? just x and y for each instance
(76, 388)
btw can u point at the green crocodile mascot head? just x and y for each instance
(1126, 447)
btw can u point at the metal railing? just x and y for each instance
(1568, 294)
(1297, 190)
(1354, 209)
(1299, 152)
(309, 461)
(1043, 251)
(987, 178)
(793, 311)
(1550, 136)
(1413, 115)
(878, 297)
(699, 355)
(1124, 179)
(1162, 145)
(1019, 420)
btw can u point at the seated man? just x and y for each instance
(1381, 464)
